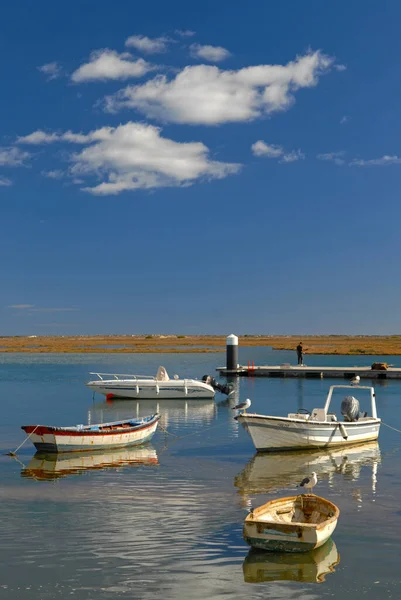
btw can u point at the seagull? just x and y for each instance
(243, 405)
(309, 482)
(356, 380)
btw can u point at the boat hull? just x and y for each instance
(275, 433)
(47, 439)
(155, 390)
(280, 536)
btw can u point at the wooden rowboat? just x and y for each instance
(78, 438)
(294, 524)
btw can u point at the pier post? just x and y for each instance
(231, 352)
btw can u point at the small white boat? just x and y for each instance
(310, 567)
(294, 524)
(317, 429)
(78, 438)
(143, 386)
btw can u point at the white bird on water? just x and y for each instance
(309, 482)
(356, 380)
(243, 405)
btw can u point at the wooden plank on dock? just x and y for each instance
(312, 372)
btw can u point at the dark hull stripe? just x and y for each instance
(43, 430)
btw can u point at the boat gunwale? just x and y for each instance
(105, 428)
(253, 516)
(363, 420)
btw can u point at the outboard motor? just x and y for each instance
(224, 388)
(350, 408)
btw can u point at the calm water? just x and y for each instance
(165, 520)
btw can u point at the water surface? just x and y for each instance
(165, 520)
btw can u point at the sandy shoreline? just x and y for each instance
(119, 344)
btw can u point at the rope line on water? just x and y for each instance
(390, 427)
(11, 453)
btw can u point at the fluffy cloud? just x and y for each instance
(210, 53)
(380, 162)
(260, 148)
(12, 157)
(52, 70)
(109, 64)
(4, 182)
(335, 157)
(147, 45)
(135, 156)
(207, 95)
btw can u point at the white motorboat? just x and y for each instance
(317, 429)
(144, 386)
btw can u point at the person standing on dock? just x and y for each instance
(300, 354)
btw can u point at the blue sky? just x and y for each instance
(208, 167)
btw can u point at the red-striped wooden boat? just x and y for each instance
(77, 438)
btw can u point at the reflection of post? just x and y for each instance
(300, 389)
(374, 476)
(233, 400)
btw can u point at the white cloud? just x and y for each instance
(12, 157)
(21, 306)
(52, 70)
(146, 44)
(383, 161)
(260, 148)
(134, 156)
(208, 95)
(4, 182)
(184, 32)
(109, 64)
(293, 156)
(335, 157)
(210, 53)
(340, 67)
(55, 174)
(38, 137)
(41, 137)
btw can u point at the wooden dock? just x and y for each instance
(287, 370)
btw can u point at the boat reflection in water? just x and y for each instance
(274, 470)
(311, 567)
(173, 412)
(54, 466)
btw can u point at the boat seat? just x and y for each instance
(318, 414)
(162, 374)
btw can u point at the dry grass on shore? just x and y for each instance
(332, 344)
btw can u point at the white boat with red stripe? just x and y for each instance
(78, 438)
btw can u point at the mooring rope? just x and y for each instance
(390, 427)
(11, 453)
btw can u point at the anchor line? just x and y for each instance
(393, 428)
(11, 453)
